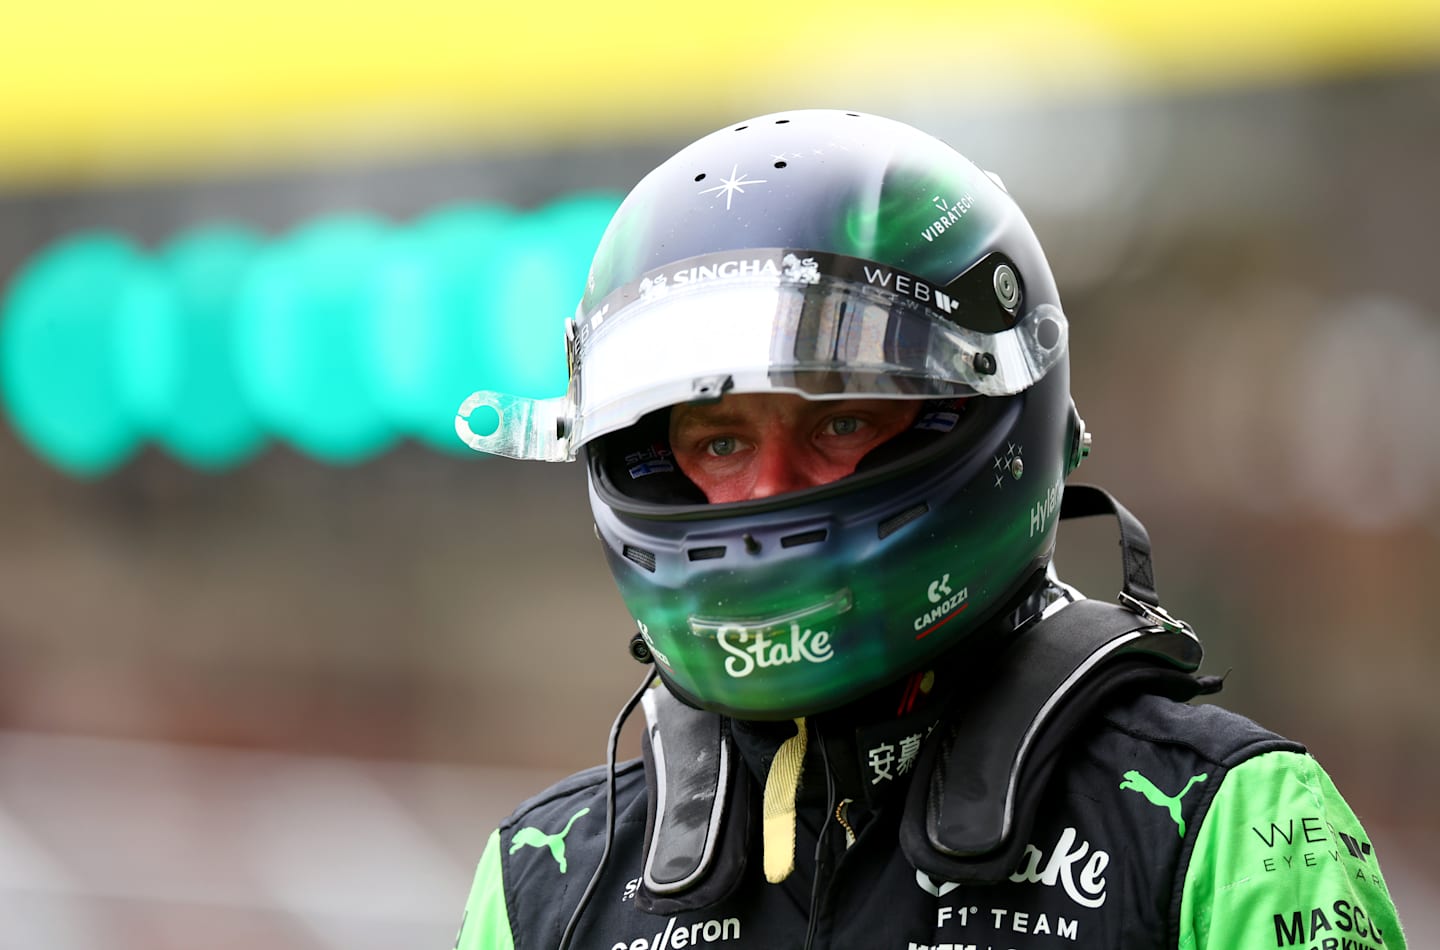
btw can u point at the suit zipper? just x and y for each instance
(840, 811)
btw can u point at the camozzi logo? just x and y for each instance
(947, 601)
(752, 649)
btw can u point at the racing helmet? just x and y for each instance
(833, 255)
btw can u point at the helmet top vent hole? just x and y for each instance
(779, 164)
(781, 121)
(700, 177)
(741, 128)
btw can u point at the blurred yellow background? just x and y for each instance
(162, 88)
(280, 701)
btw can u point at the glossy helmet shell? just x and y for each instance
(797, 603)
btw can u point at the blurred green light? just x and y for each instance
(303, 326)
(203, 418)
(340, 338)
(432, 292)
(545, 264)
(58, 340)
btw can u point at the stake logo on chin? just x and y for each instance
(750, 648)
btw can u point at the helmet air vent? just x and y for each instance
(804, 537)
(644, 558)
(895, 522)
(706, 554)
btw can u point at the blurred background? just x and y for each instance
(276, 653)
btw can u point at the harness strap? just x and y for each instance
(972, 802)
(698, 807)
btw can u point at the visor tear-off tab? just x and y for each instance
(698, 807)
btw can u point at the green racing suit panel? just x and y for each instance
(486, 924)
(1280, 861)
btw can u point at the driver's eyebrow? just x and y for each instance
(708, 416)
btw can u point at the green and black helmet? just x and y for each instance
(832, 255)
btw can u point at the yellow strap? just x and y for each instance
(782, 784)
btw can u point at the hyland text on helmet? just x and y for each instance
(1043, 514)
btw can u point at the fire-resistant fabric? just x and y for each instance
(1166, 826)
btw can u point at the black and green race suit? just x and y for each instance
(1165, 825)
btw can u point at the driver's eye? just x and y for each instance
(724, 445)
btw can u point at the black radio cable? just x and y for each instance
(619, 723)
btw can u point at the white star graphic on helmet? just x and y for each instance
(731, 185)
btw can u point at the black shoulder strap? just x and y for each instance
(978, 781)
(1084, 501)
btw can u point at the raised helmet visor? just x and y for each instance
(769, 319)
